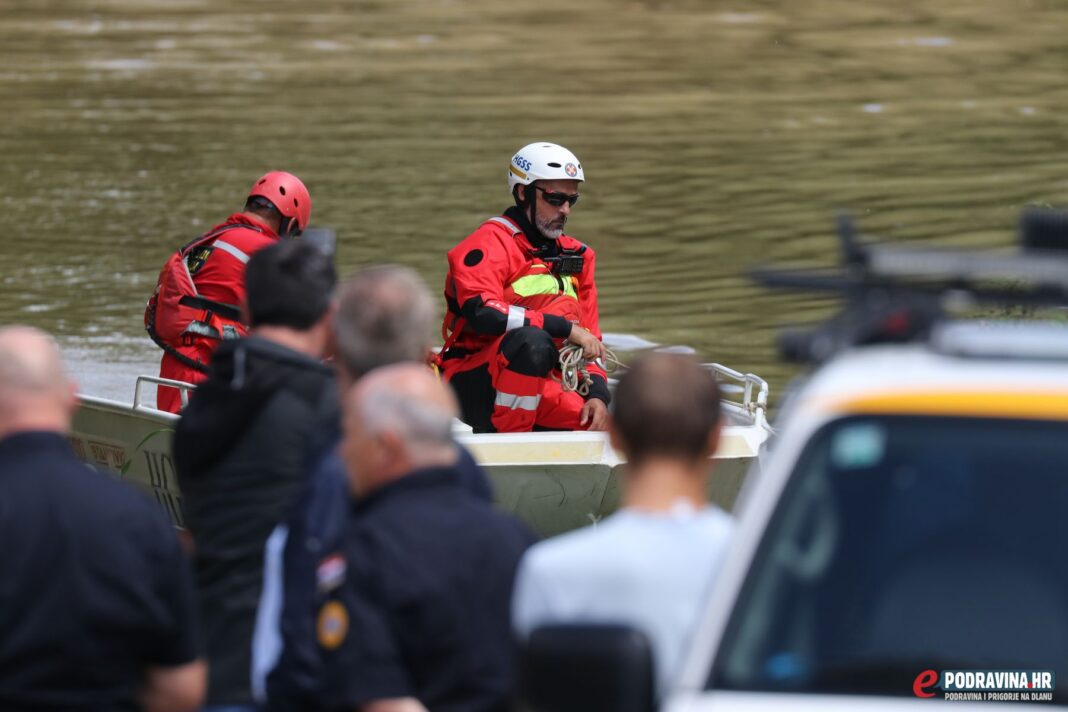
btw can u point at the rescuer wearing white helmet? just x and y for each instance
(518, 288)
(546, 163)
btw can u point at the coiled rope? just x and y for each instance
(574, 376)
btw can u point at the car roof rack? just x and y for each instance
(896, 294)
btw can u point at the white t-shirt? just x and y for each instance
(651, 571)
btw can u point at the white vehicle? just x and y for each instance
(906, 534)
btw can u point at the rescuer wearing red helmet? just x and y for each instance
(517, 289)
(198, 298)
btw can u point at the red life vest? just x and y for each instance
(176, 313)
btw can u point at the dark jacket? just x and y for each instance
(240, 451)
(424, 608)
(94, 587)
(315, 537)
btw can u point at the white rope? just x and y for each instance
(574, 376)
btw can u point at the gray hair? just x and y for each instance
(385, 315)
(425, 427)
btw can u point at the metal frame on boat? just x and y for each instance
(555, 481)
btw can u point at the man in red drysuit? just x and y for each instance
(517, 289)
(201, 290)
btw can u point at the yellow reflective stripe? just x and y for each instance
(533, 284)
(521, 175)
(543, 284)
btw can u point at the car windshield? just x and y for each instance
(903, 544)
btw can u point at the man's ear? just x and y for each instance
(326, 321)
(70, 396)
(392, 444)
(331, 332)
(325, 330)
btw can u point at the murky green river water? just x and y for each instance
(715, 135)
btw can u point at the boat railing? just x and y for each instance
(750, 408)
(183, 390)
(753, 405)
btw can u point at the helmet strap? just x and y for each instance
(284, 226)
(532, 208)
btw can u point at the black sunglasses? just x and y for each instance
(558, 199)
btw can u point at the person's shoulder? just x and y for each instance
(472, 477)
(488, 232)
(446, 506)
(716, 524)
(304, 371)
(249, 241)
(502, 522)
(240, 233)
(122, 497)
(576, 550)
(113, 505)
(568, 242)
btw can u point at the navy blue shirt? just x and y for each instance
(94, 587)
(315, 542)
(423, 610)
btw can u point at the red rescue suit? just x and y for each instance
(508, 298)
(217, 269)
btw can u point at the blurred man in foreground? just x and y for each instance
(96, 607)
(241, 447)
(200, 291)
(650, 564)
(421, 620)
(384, 316)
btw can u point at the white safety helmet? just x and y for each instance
(542, 161)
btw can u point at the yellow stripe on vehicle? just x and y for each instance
(1026, 405)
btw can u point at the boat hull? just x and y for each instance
(553, 481)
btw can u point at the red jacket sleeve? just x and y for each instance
(587, 294)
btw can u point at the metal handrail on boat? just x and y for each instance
(753, 405)
(750, 381)
(183, 389)
(754, 402)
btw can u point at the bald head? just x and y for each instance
(397, 419)
(35, 393)
(385, 315)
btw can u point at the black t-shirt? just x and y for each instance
(94, 586)
(424, 610)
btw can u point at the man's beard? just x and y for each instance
(552, 229)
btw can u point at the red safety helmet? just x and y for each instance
(289, 196)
